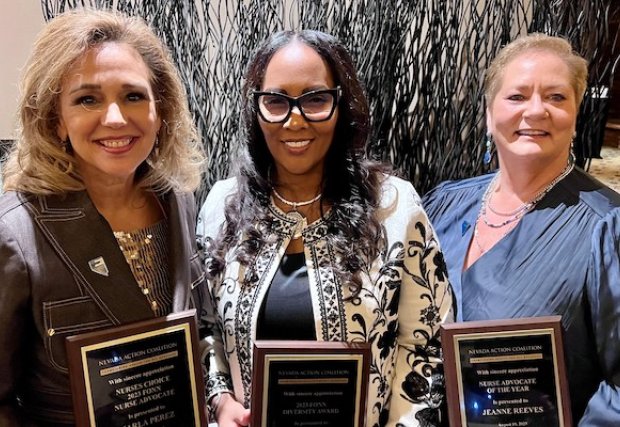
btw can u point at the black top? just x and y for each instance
(286, 313)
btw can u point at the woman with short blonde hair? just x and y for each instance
(539, 236)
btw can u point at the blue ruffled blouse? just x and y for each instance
(562, 258)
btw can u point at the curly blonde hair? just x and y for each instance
(577, 65)
(38, 164)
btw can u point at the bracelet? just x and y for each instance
(214, 405)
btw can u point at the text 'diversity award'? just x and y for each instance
(507, 373)
(299, 383)
(141, 374)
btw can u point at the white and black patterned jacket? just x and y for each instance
(405, 297)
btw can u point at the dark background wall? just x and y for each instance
(612, 130)
(422, 62)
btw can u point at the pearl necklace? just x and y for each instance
(300, 221)
(295, 205)
(519, 212)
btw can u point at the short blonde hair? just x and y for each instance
(577, 65)
(37, 162)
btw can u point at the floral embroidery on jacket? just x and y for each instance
(403, 298)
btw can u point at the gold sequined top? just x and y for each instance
(146, 252)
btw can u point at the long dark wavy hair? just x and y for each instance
(351, 183)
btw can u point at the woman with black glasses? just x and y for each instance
(311, 241)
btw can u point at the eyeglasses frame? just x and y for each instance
(293, 101)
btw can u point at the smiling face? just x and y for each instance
(108, 112)
(533, 115)
(297, 146)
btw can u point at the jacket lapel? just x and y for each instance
(179, 243)
(85, 242)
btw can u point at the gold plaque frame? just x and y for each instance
(456, 335)
(81, 348)
(269, 353)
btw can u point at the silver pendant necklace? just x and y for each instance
(300, 221)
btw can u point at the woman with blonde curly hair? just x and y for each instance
(97, 218)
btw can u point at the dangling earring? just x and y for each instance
(64, 145)
(571, 151)
(487, 154)
(155, 152)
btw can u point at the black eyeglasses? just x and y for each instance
(315, 106)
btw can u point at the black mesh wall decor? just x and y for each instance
(422, 63)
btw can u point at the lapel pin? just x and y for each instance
(98, 266)
(464, 227)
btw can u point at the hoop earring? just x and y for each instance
(487, 153)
